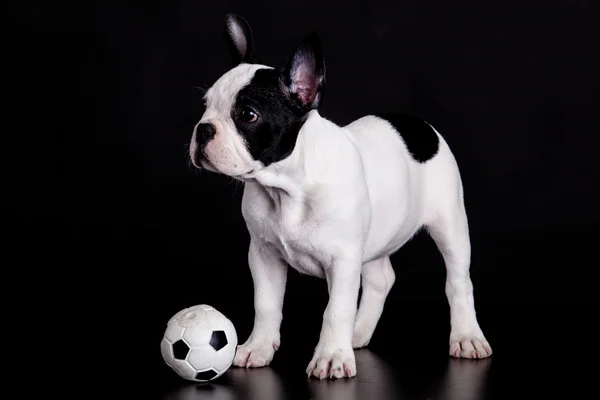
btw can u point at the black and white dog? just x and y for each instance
(331, 201)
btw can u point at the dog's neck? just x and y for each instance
(290, 178)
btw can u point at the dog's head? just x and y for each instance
(254, 112)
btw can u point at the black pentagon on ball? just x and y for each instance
(180, 350)
(218, 340)
(206, 375)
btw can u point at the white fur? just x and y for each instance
(337, 208)
(227, 152)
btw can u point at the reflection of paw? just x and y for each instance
(336, 364)
(253, 354)
(470, 346)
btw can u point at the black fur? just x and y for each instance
(420, 138)
(273, 136)
(281, 111)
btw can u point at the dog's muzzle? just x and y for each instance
(204, 133)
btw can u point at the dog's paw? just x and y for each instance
(335, 364)
(470, 346)
(254, 354)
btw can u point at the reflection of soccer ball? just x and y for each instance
(199, 343)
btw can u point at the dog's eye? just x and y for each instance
(248, 115)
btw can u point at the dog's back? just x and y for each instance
(408, 166)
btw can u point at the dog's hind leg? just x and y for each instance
(377, 279)
(449, 229)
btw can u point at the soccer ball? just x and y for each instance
(199, 343)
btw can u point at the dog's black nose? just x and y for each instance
(205, 132)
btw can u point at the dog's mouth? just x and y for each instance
(246, 176)
(206, 164)
(203, 161)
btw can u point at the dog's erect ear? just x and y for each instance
(239, 39)
(302, 76)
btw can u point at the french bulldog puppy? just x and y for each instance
(331, 201)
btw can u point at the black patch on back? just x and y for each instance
(420, 138)
(272, 138)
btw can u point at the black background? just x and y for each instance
(115, 221)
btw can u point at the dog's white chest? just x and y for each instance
(285, 231)
(296, 255)
(292, 241)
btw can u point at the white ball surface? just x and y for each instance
(199, 343)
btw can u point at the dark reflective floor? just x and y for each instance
(535, 305)
(533, 358)
(462, 379)
(536, 301)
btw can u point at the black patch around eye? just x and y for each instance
(419, 137)
(273, 136)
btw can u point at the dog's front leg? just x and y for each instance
(334, 356)
(269, 274)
